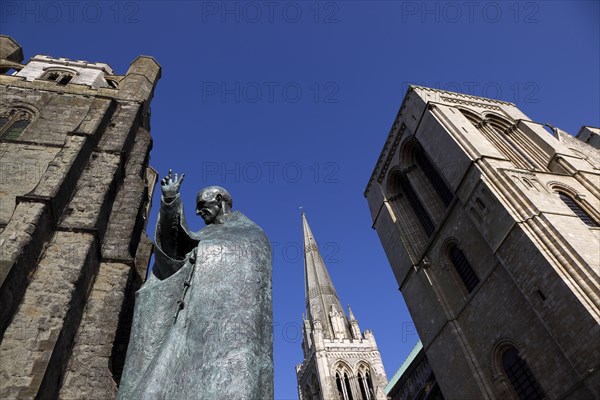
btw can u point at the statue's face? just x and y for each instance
(208, 208)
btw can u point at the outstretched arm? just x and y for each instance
(171, 238)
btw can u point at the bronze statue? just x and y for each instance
(202, 325)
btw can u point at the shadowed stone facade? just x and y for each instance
(74, 198)
(492, 227)
(340, 362)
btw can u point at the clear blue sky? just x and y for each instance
(288, 104)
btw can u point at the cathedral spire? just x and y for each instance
(331, 341)
(322, 302)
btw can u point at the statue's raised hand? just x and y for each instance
(170, 185)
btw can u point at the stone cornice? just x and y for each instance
(372, 354)
(470, 103)
(393, 140)
(482, 100)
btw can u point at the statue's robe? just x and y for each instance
(220, 345)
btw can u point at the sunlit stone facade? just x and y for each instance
(491, 225)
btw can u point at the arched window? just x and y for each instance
(338, 383)
(462, 267)
(365, 383)
(363, 389)
(348, 387)
(520, 376)
(12, 125)
(418, 197)
(60, 76)
(411, 217)
(578, 210)
(416, 205)
(432, 175)
(342, 381)
(509, 140)
(370, 385)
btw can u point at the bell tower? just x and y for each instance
(340, 362)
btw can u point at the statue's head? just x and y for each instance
(212, 203)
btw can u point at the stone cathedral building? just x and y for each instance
(340, 362)
(492, 227)
(74, 197)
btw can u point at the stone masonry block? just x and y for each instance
(38, 340)
(20, 244)
(89, 375)
(121, 129)
(90, 205)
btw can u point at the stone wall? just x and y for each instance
(72, 244)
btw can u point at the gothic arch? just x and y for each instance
(15, 120)
(22, 106)
(342, 365)
(343, 376)
(364, 375)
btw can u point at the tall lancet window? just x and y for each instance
(342, 381)
(420, 195)
(432, 175)
(462, 266)
(340, 386)
(348, 387)
(365, 383)
(416, 205)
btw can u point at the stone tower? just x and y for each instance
(492, 227)
(340, 362)
(74, 199)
